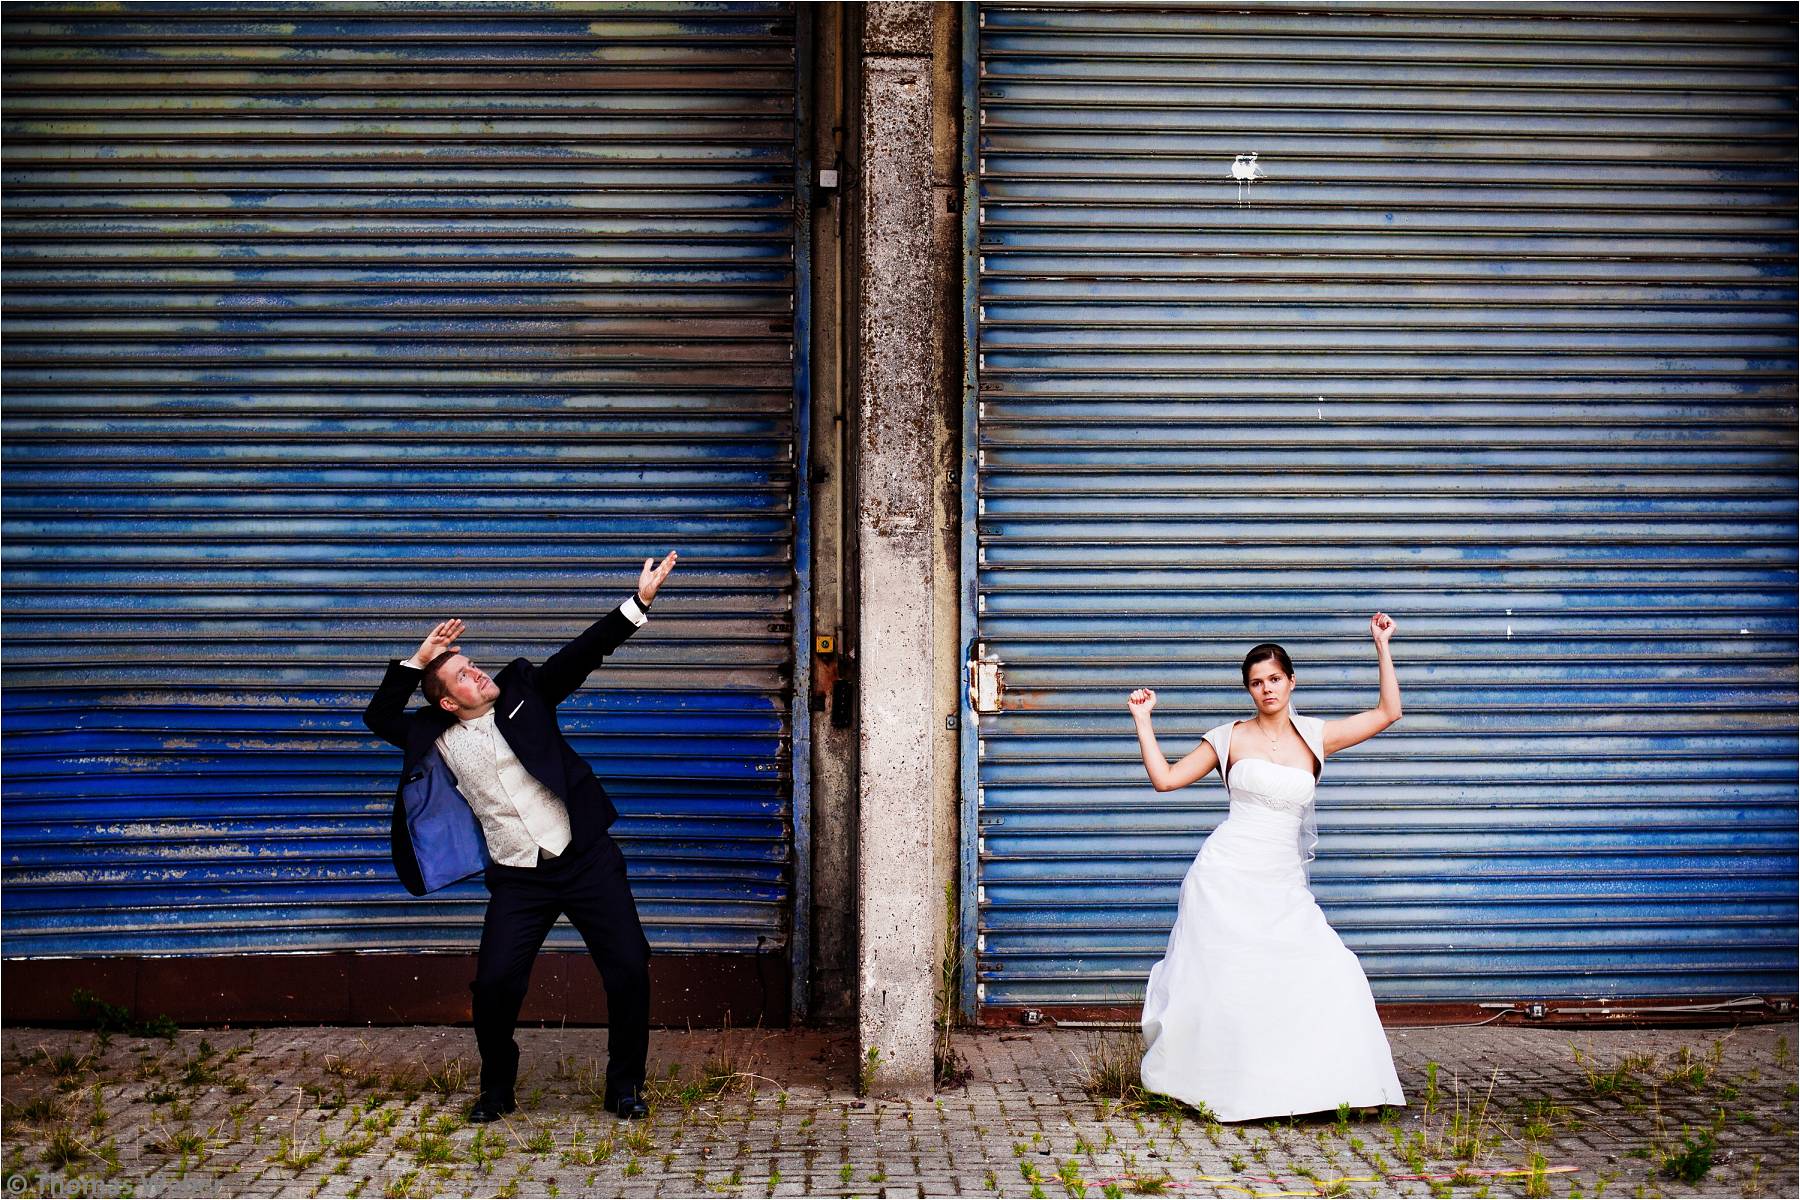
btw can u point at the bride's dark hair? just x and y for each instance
(1263, 653)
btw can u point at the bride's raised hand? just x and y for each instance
(1381, 628)
(1141, 703)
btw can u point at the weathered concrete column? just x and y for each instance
(901, 335)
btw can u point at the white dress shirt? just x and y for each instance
(519, 816)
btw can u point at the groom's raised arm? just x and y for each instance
(386, 714)
(569, 667)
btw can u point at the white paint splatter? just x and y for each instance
(1246, 172)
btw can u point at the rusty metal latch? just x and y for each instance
(985, 683)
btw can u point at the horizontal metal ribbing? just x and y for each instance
(1501, 343)
(321, 326)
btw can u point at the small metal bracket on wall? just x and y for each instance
(985, 682)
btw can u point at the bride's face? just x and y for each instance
(1269, 686)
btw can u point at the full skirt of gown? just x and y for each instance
(1258, 1009)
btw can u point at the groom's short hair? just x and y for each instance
(433, 682)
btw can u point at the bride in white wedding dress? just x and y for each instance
(1258, 1009)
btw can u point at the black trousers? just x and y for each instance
(589, 885)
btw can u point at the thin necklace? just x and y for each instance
(1274, 740)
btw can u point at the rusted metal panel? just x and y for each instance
(325, 322)
(1502, 343)
(355, 988)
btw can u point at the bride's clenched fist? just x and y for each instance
(1141, 702)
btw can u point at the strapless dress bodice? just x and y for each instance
(1271, 785)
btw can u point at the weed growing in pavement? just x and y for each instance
(434, 1148)
(183, 1142)
(868, 1070)
(1784, 1052)
(200, 1069)
(719, 1075)
(39, 1110)
(350, 1147)
(581, 1155)
(448, 1077)
(404, 1187)
(108, 1019)
(291, 1154)
(63, 1149)
(637, 1139)
(1538, 1119)
(1410, 1149)
(1691, 1160)
(1622, 1081)
(108, 1154)
(403, 1081)
(66, 1064)
(1753, 1180)
(948, 1070)
(485, 1149)
(1468, 1133)
(1537, 1179)
(382, 1120)
(1431, 1088)
(1686, 1069)
(1112, 1076)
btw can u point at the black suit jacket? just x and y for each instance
(525, 714)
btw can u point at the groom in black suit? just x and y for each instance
(542, 819)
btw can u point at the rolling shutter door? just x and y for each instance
(324, 323)
(1503, 344)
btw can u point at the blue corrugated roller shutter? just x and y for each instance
(325, 322)
(1504, 344)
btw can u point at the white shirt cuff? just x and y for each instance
(413, 663)
(633, 611)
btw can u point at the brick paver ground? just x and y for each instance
(378, 1112)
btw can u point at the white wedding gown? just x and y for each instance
(1258, 1009)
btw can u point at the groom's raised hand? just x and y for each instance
(651, 578)
(438, 640)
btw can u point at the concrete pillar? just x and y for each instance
(900, 401)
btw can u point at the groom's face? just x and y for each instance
(468, 688)
(1269, 686)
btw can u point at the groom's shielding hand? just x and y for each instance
(439, 640)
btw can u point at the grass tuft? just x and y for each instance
(1691, 1160)
(1113, 1074)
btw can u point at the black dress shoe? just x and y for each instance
(628, 1106)
(491, 1106)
